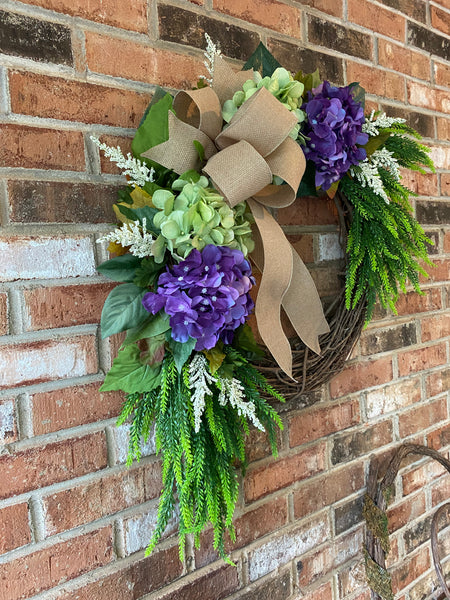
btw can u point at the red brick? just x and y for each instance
(303, 245)
(439, 272)
(443, 129)
(36, 148)
(3, 313)
(422, 359)
(58, 98)
(38, 467)
(267, 13)
(426, 97)
(422, 417)
(377, 19)
(132, 15)
(141, 62)
(216, 583)
(47, 360)
(412, 302)
(14, 527)
(323, 491)
(440, 19)
(435, 327)
(124, 143)
(26, 576)
(361, 375)
(328, 281)
(441, 75)
(418, 478)
(396, 57)
(283, 472)
(447, 236)
(440, 491)
(351, 579)
(257, 444)
(318, 422)
(410, 569)
(406, 511)
(309, 210)
(134, 580)
(67, 407)
(331, 7)
(376, 81)
(106, 496)
(354, 444)
(324, 592)
(64, 306)
(424, 184)
(440, 438)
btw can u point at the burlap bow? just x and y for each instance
(241, 162)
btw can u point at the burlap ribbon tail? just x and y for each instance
(241, 162)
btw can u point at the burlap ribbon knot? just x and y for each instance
(241, 162)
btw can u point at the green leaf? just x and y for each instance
(123, 309)
(245, 340)
(181, 351)
(154, 325)
(155, 127)
(147, 273)
(376, 142)
(158, 95)
(309, 80)
(262, 60)
(308, 183)
(200, 150)
(121, 268)
(130, 375)
(215, 358)
(138, 214)
(358, 93)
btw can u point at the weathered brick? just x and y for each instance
(141, 62)
(25, 577)
(422, 122)
(320, 421)
(351, 579)
(440, 155)
(14, 527)
(422, 359)
(36, 148)
(323, 491)
(441, 74)
(410, 569)
(67, 407)
(377, 19)
(412, 303)
(132, 581)
(443, 128)
(392, 338)
(35, 362)
(348, 515)
(422, 417)
(417, 478)
(64, 306)
(361, 375)
(331, 7)
(277, 474)
(4, 310)
(215, 583)
(57, 202)
(323, 592)
(439, 438)
(278, 587)
(440, 19)
(58, 98)
(393, 397)
(421, 589)
(436, 327)
(281, 549)
(440, 491)
(413, 8)
(423, 184)
(377, 81)
(37, 467)
(308, 210)
(423, 38)
(267, 13)
(433, 212)
(124, 143)
(339, 38)
(132, 16)
(407, 510)
(21, 35)
(445, 187)
(46, 257)
(396, 57)
(298, 58)
(353, 445)
(186, 27)
(139, 529)
(8, 425)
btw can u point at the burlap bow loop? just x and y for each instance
(241, 162)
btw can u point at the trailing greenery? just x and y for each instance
(386, 244)
(199, 477)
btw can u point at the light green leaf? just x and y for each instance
(181, 351)
(121, 268)
(130, 375)
(155, 128)
(154, 325)
(123, 309)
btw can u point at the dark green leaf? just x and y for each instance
(200, 150)
(309, 80)
(153, 325)
(158, 95)
(138, 214)
(262, 60)
(245, 340)
(376, 142)
(181, 351)
(129, 374)
(358, 93)
(155, 127)
(147, 273)
(123, 309)
(122, 268)
(308, 183)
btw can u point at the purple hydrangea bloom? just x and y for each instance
(205, 295)
(334, 128)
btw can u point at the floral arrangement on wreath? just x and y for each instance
(206, 167)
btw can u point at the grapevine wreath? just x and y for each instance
(207, 168)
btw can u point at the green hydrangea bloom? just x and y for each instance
(282, 85)
(196, 217)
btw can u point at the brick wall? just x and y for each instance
(73, 520)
